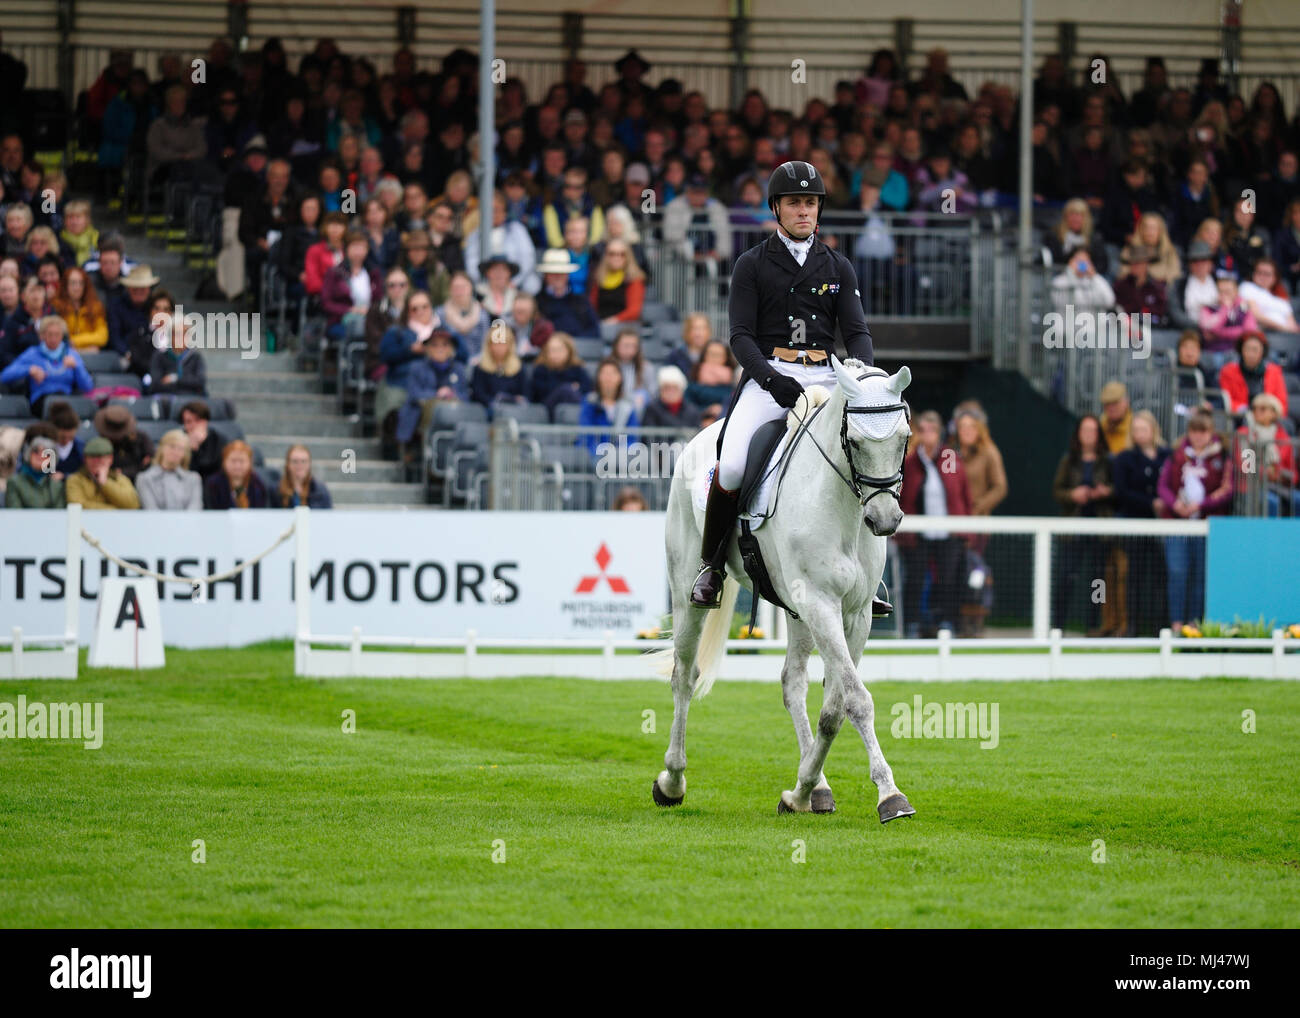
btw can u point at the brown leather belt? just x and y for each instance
(784, 353)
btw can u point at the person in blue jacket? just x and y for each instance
(52, 366)
(439, 376)
(401, 348)
(558, 375)
(499, 375)
(606, 406)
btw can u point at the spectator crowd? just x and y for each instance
(356, 188)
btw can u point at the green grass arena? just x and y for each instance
(398, 823)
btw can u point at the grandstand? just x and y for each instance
(222, 194)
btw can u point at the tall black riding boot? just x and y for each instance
(719, 520)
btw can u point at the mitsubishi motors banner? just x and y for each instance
(419, 573)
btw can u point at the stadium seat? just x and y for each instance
(469, 454)
(271, 478)
(101, 360)
(471, 435)
(17, 422)
(1284, 346)
(1164, 339)
(155, 429)
(146, 408)
(439, 441)
(15, 406)
(219, 407)
(590, 350)
(229, 431)
(524, 413)
(653, 312)
(609, 330)
(83, 406)
(567, 413)
(118, 380)
(655, 350)
(574, 459)
(448, 415)
(669, 333)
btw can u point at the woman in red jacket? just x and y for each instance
(1251, 373)
(1196, 482)
(350, 288)
(934, 484)
(325, 253)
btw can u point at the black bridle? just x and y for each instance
(857, 481)
(854, 481)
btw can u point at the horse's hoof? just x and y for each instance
(664, 800)
(894, 807)
(785, 806)
(823, 801)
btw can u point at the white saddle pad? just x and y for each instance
(762, 500)
(761, 503)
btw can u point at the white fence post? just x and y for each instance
(1042, 582)
(354, 660)
(302, 587)
(72, 582)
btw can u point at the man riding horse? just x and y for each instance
(788, 294)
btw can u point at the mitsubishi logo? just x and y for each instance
(616, 583)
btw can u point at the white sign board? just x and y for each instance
(128, 626)
(425, 573)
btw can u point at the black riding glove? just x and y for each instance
(784, 389)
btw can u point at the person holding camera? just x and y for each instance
(1081, 286)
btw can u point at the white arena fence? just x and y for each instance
(541, 625)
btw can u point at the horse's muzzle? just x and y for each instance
(882, 524)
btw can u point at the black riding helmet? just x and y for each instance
(796, 177)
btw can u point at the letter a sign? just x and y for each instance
(128, 626)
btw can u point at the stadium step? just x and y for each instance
(292, 405)
(371, 472)
(361, 495)
(267, 383)
(232, 360)
(276, 419)
(324, 450)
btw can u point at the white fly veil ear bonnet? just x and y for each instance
(874, 389)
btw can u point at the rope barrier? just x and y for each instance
(194, 581)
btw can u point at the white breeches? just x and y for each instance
(754, 408)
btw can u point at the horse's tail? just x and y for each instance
(713, 638)
(661, 661)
